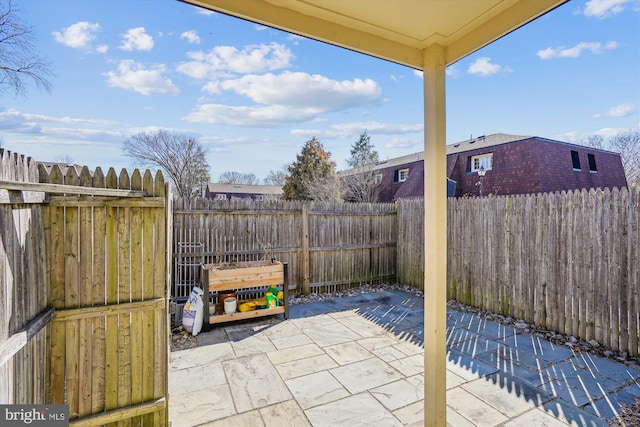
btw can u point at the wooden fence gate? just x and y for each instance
(106, 263)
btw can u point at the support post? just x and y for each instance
(305, 250)
(435, 237)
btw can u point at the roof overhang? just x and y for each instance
(398, 30)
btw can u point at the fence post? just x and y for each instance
(305, 248)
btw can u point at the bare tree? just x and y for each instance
(324, 187)
(66, 159)
(238, 178)
(362, 185)
(278, 177)
(18, 60)
(628, 145)
(180, 157)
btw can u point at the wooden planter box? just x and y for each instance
(242, 275)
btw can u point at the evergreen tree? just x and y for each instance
(361, 184)
(312, 176)
(362, 152)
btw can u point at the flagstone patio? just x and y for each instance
(358, 361)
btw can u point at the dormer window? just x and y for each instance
(575, 160)
(484, 161)
(592, 163)
(401, 175)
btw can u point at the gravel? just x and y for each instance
(629, 415)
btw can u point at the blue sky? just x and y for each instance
(254, 95)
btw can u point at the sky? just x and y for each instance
(252, 95)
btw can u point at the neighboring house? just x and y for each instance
(240, 191)
(512, 164)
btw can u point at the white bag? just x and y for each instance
(192, 314)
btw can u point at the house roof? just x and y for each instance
(244, 189)
(484, 141)
(458, 147)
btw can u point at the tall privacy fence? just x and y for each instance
(328, 246)
(565, 261)
(24, 286)
(84, 257)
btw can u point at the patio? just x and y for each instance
(358, 361)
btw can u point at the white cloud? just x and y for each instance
(483, 66)
(285, 99)
(604, 8)
(203, 11)
(257, 116)
(403, 143)
(305, 90)
(13, 115)
(621, 110)
(133, 76)
(227, 60)
(78, 35)
(378, 128)
(191, 36)
(136, 39)
(349, 130)
(212, 88)
(579, 137)
(71, 129)
(575, 51)
(103, 48)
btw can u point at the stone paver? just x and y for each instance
(359, 361)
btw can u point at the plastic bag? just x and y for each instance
(192, 314)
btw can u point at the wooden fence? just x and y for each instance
(565, 261)
(328, 246)
(24, 290)
(102, 267)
